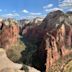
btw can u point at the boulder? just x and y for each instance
(7, 63)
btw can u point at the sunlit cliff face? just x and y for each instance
(9, 33)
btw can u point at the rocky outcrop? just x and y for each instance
(52, 20)
(6, 63)
(56, 41)
(52, 51)
(10, 70)
(9, 32)
(57, 45)
(30, 69)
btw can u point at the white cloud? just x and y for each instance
(53, 9)
(8, 15)
(32, 13)
(65, 3)
(48, 6)
(11, 15)
(25, 11)
(16, 14)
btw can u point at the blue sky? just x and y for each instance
(32, 8)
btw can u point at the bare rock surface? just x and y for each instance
(10, 70)
(6, 63)
(9, 32)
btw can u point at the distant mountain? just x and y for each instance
(23, 22)
(36, 20)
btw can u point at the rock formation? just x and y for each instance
(10, 70)
(30, 29)
(9, 32)
(6, 63)
(52, 37)
(56, 41)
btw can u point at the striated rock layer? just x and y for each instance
(9, 32)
